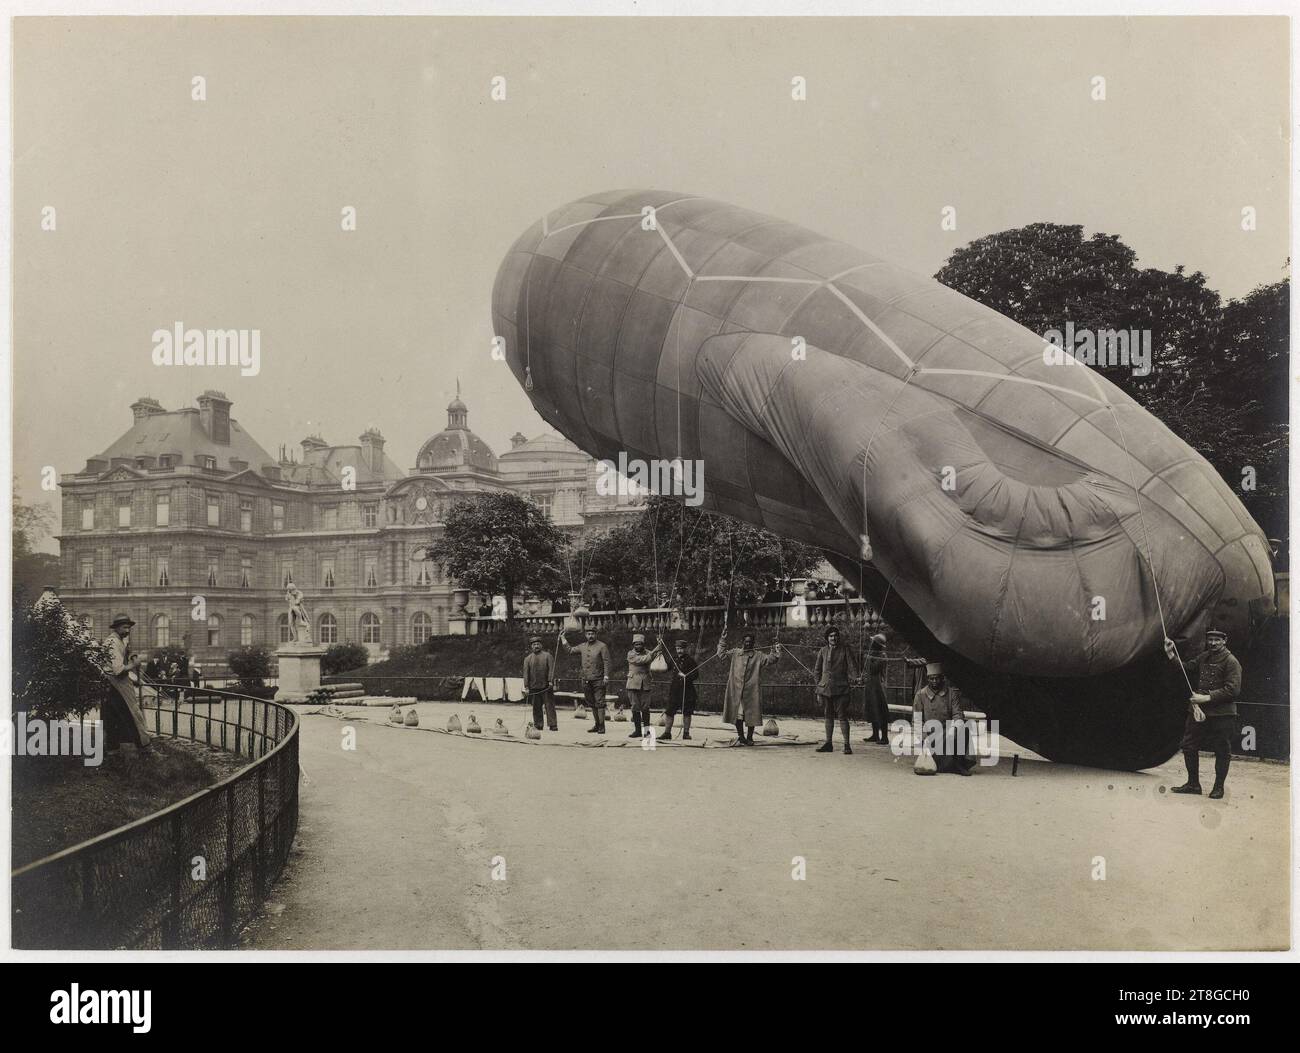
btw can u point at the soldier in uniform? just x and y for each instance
(594, 654)
(539, 683)
(1217, 676)
(939, 704)
(640, 683)
(834, 670)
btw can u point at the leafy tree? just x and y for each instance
(500, 543)
(32, 570)
(615, 562)
(672, 548)
(57, 665)
(696, 551)
(252, 665)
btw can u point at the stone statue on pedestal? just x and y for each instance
(299, 619)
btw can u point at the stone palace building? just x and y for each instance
(191, 528)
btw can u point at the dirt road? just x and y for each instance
(422, 840)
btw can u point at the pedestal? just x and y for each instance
(299, 671)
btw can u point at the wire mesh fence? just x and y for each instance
(191, 875)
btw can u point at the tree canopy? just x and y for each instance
(671, 548)
(501, 543)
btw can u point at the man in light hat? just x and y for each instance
(835, 672)
(639, 683)
(539, 683)
(124, 720)
(939, 705)
(877, 705)
(1218, 683)
(594, 655)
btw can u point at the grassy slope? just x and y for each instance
(59, 802)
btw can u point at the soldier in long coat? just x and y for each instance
(877, 705)
(742, 704)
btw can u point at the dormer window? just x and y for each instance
(210, 463)
(165, 461)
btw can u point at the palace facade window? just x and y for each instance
(162, 510)
(214, 510)
(246, 572)
(246, 631)
(214, 630)
(162, 631)
(88, 573)
(421, 627)
(88, 515)
(123, 572)
(370, 515)
(329, 629)
(277, 518)
(246, 516)
(370, 628)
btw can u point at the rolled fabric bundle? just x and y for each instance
(412, 718)
(659, 664)
(925, 764)
(500, 728)
(579, 712)
(395, 715)
(532, 732)
(770, 728)
(473, 728)
(621, 714)
(453, 723)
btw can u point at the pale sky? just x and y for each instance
(226, 213)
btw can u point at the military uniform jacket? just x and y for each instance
(1218, 676)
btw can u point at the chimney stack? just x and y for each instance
(214, 415)
(145, 407)
(372, 448)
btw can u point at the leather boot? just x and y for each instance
(1221, 762)
(1193, 784)
(636, 727)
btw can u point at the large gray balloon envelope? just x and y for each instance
(1025, 520)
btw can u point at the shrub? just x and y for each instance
(57, 665)
(339, 658)
(252, 665)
